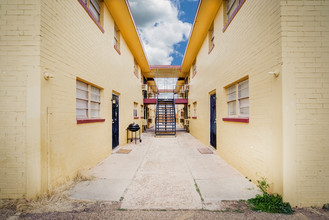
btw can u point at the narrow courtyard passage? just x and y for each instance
(165, 173)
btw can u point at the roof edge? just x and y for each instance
(205, 14)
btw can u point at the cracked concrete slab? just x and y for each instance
(100, 189)
(162, 191)
(160, 173)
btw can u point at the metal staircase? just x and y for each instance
(165, 119)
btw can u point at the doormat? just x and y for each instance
(204, 150)
(123, 151)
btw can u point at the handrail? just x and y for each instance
(152, 92)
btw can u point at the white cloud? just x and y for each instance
(160, 28)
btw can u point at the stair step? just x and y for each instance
(165, 121)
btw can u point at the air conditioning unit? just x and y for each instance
(144, 87)
(186, 122)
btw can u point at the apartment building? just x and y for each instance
(254, 86)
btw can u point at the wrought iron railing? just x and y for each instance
(152, 92)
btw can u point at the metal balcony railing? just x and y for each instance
(149, 92)
(152, 92)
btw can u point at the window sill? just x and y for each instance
(212, 47)
(243, 120)
(233, 15)
(117, 49)
(136, 117)
(91, 15)
(85, 121)
(194, 117)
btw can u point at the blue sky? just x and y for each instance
(188, 9)
(164, 27)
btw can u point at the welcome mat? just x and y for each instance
(204, 150)
(123, 151)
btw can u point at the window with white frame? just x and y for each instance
(82, 100)
(238, 99)
(88, 101)
(231, 6)
(116, 38)
(211, 37)
(243, 97)
(135, 68)
(94, 7)
(95, 102)
(135, 109)
(194, 69)
(142, 111)
(189, 111)
(195, 105)
(231, 100)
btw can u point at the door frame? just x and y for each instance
(213, 126)
(117, 99)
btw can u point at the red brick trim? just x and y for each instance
(84, 121)
(149, 101)
(91, 15)
(244, 120)
(181, 101)
(233, 15)
(117, 49)
(165, 67)
(142, 117)
(136, 117)
(194, 117)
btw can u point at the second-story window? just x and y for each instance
(94, 7)
(135, 68)
(116, 38)
(211, 38)
(194, 69)
(231, 5)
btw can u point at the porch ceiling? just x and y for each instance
(164, 71)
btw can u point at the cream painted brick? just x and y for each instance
(251, 148)
(89, 56)
(15, 61)
(300, 45)
(312, 122)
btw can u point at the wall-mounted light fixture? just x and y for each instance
(275, 73)
(47, 75)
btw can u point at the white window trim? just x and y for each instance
(135, 110)
(237, 100)
(195, 109)
(116, 37)
(89, 100)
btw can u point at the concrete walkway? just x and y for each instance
(165, 173)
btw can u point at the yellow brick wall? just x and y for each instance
(42, 145)
(250, 46)
(73, 46)
(19, 95)
(305, 50)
